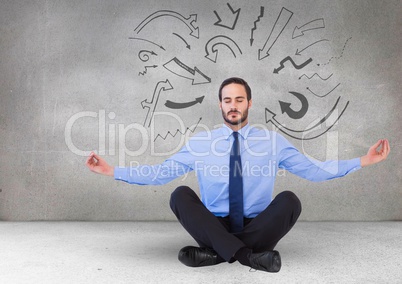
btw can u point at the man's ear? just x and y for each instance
(250, 102)
(220, 105)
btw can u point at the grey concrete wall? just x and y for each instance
(122, 78)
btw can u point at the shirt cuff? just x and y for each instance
(120, 173)
(354, 165)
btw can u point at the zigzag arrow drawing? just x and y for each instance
(280, 24)
(255, 25)
(146, 68)
(180, 69)
(177, 132)
(230, 21)
(166, 13)
(288, 58)
(160, 86)
(315, 74)
(212, 53)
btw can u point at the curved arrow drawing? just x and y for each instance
(231, 22)
(137, 38)
(180, 69)
(175, 105)
(270, 117)
(255, 25)
(325, 94)
(299, 52)
(280, 24)
(187, 45)
(313, 25)
(288, 58)
(285, 107)
(166, 13)
(212, 53)
(160, 86)
(143, 55)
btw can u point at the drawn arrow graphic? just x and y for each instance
(143, 55)
(158, 45)
(280, 24)
(315, 74)
(175, 105)
(166, 13)
(187, 45)
(177, 132)
(180, 69)
(255, 25)
(160, 86)
(325, 94)
(146, 68)
(230, 19)
(299, 52)
(337, 57)
(270, 117)
(285, 107)
(212, 53)
(313, 25)
(288, 58)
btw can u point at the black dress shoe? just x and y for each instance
(197, 257)
(269, 261)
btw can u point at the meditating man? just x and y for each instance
(237, 217)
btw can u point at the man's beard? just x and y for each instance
(238, 121)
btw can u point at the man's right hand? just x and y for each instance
(98, 165)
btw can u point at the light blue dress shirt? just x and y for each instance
(262, 153)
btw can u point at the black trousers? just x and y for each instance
(261, 233)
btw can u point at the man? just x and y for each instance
(236, 218)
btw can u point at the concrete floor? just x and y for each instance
(146, 252)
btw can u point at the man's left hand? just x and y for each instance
(377, 153)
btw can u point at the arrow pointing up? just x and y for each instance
(151, 105)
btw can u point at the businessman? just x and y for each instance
(237, 218)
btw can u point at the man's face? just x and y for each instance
(234, 105)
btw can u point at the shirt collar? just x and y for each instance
(227, 131)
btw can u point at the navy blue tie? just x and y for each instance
(235, 188)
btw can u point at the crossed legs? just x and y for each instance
(260, 234)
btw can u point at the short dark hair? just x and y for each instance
(235, 80)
